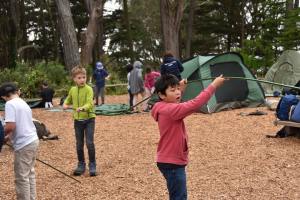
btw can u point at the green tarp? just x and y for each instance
(33, 103)
(112, 109)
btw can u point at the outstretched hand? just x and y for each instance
(218, 81)
(183, 84)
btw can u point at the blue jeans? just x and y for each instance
(87, 128)
(176, 183)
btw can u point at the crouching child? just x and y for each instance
(22, 132)
(172, 150)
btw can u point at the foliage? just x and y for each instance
(259, 29)
(290, 36)
(254, 51)
(29, 78)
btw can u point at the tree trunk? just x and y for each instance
(242, 25)
(98, 47)
(289, 5)
(128, 28)
(296, 5)
(50, 6)
(44, 53)
(91, 33)
(14, 30)
(171, 13)
(23, 29)
(190, 29)
(68, 35)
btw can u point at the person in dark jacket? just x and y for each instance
(100, 74)
(171, 65)
(47, 95)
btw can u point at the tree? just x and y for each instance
(190, 29)
(68, 35)
(14, 31)
(171, 12)
(290, 35)
(91, 33)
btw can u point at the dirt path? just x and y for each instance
(230, 158)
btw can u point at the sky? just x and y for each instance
(111, 5)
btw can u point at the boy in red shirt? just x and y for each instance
(172, 151)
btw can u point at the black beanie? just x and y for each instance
(8, 88)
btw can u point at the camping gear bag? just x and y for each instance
(284, 106)
(295, 113)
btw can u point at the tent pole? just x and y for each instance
(249, 79)
(228, 77)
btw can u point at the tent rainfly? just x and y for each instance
(286, 71)
(235, 93)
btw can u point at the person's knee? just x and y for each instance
(90, 145)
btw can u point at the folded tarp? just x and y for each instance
(112, 109)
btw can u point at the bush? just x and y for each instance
(30, 78)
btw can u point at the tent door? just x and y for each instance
(234, 89)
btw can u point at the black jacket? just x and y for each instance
(171, 66)
(47, 94)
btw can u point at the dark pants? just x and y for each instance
(130, 98)
(176, 183)
(87, 128)
(99, 92)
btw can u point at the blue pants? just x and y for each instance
(87, 128)
(99, 92)
(176, 183)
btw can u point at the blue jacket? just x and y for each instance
(171, 66)
(100, 75)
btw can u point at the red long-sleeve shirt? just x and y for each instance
(172, 147)
(150, 79)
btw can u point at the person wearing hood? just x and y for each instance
(171, 65)
(100, 75)
(136, 82)
(169, 113)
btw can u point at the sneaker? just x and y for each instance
(80, 169)
(92, 168)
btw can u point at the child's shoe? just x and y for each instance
(80, 169)
(92, 168)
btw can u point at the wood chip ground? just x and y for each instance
(230, 158)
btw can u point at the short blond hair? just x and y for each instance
(78, 70)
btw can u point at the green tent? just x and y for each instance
(286, 71)
(235, 93)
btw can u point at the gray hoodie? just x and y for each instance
(136, 82)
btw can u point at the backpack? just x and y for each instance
(1, 136)
(284, 106)
(42, 131)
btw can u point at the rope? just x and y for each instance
(67, 175)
